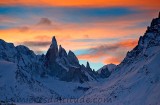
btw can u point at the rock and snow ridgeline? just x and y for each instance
(41, 75)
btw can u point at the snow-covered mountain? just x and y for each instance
(42, 75)
(106, 70)
(56, 63)
(18, 85)
(66, 66)
(136, 80)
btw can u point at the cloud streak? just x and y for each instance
(112, 53)
(36, 43)
(95, 40)
(83, 3)
(45, 21)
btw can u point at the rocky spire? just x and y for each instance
(87, 66)
(72, 58)
(62, 52)
(54, 43)
(52, 52)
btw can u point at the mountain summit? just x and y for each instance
(65, 66)
(52, 53)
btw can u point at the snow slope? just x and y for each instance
(19, 86)
(16, 85)
(136, 84)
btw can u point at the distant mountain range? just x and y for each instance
(28, 70)
(58, 74)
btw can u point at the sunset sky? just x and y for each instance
(98, 31)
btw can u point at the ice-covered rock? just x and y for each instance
(52, 52)
(73, 59)
(62, 52)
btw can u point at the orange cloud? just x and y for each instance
(70, 31)
(6, 19)
(121, 28)
(84, 3)
(112, 53)
(113, 60)
(128, 43)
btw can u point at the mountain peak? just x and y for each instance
(1, 40)
(62, 52)
(72, 58)
(53, 38)
(54, 42)
(60, 47)
(52, 52)
(88, 65)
